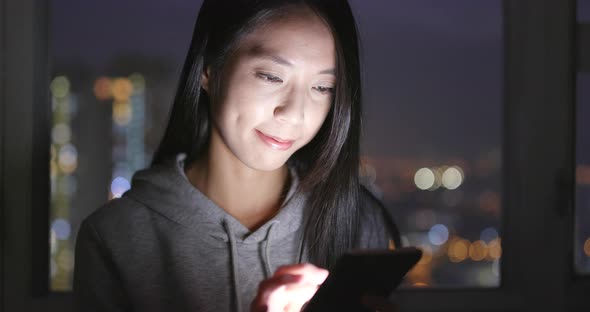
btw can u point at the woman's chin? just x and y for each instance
(267, 164)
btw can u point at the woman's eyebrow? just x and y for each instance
(330, 71)
(260, 52)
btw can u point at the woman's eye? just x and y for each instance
(324, 90)
(269, 78)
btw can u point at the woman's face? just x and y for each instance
(276, 90)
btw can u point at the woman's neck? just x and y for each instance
(251, 196)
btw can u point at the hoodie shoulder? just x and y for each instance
(115, 214)
(115, 209)
(120, 216)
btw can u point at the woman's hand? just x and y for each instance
(289, 288)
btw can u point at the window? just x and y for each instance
(432, 132)
(536, 140)
(582, 200)
(114, 74)
(442, 187)
(582, 228)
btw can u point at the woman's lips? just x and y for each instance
(275, 143)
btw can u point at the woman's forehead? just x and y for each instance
(295, 37)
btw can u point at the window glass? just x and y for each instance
(582, 228)
(583, 11)
(432, 125)
(114, 73)
(432, 140)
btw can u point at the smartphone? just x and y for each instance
(363, 272)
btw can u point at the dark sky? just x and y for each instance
(96, 31)
(433, 70)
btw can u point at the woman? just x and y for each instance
(254, 190)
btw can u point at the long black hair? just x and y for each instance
(329, 164)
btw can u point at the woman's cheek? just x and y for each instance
(320, 116)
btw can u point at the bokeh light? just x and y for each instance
(119, 186)
(587, 247)
(424, 178)
(122, 89)
(60, 87)
(61, 228)
(452, 178)
(438, 234)
(65, 260)
(478, 250)
(68, 158)
(61, 133)
(458, 250)
(122, 113)
(138, 82)
(495, 249)
(102, 88)
(488, 234)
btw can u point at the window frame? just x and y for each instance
(538, 158)
(24, 92)
(539, 88)
(580, 285)
(583, 43)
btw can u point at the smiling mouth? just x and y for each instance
(274, 142)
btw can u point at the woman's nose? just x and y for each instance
(291, 108)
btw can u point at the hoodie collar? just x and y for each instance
(166, 189)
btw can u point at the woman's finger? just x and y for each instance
(287, 297)
(298, 295)
(310, 273)
(289, 288)
(272, 287)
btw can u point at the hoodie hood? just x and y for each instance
(166, 189)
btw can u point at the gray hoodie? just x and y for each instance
(164, 246)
